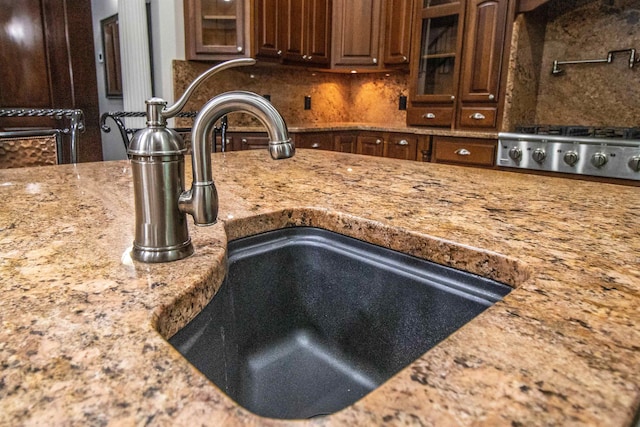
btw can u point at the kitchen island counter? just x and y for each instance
(83, 326)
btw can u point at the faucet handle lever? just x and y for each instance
(173, 110)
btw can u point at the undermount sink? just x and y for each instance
(308, 321)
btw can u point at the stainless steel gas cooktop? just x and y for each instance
(612, 152)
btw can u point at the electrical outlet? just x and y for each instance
(307, 102)
(402, 102)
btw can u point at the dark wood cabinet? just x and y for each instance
(397, 34)
(356, 33)
(47, 63)
(456, 76)
(217, 30)
(464, 151)
(306, 31)
(337, 34)
(484, 39)
(401, 146)
(345, 142)
(314, 140)
(269, 26)
(370, 144)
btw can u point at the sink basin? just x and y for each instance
(308, 321)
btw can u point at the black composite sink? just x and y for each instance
(308, 321)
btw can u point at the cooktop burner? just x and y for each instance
(606, 151)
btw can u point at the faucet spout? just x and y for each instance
(201, 201)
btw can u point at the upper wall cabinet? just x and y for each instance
(356, 33)
(217, 29)
(398, 27)
(458, 63)
(336, 34)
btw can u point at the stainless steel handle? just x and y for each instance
(477, 116)
(429, 116)
(403, 142)
(279, 52)
(172, 111)
(375, 60)
(492, 97)
(243, 140)
(404, 58)
(239, 48)
(304, 56)
(315, 145)
(309, 58)
(378, 141)
(463, 152)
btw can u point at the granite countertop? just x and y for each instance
(82, 331)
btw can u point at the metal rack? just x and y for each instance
(633, 59)
(126, 133)
(75, 125)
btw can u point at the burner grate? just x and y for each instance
(609, 132)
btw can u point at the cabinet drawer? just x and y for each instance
(317, 141)
(371, 145)
(478, 117)
(430, 116)
(464, 151)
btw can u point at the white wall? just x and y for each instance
(167, 22)
(112, 146)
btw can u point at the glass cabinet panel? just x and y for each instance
(438, 49)
(219, 22)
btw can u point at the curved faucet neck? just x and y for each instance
(221, 105)
(201, 201)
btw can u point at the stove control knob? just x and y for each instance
(515, 153)
(599, 159)
(539, 155)
(634, 163)
(571, 158)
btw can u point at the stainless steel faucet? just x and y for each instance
(157, 164)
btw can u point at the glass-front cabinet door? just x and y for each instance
(216, 27)
(435, 73)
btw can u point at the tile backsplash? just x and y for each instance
(335, 98)
(585, 94)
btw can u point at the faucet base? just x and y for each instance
(166, 254)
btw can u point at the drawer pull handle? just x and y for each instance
(244, 140)
(403, 142)
(315, 145)
(429, 116)
(378, 141)
(477, 116)
(463, 152)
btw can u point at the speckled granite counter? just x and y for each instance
(81, 339)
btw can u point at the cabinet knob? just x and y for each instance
(405, 59)
(463, 152)
(492, 96)
(304, 56)
(477, 116)
(375, 60)
(315, 145)
(429, 116)
(244, 140)
(279, 52)
(309, 58)
(239, 48)
(403, 142)
(453, 97)
(378, 141)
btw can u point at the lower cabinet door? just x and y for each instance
(371, 145)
